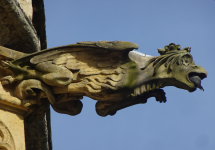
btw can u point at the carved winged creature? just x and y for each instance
(106, 71)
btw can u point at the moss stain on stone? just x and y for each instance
(132, 74)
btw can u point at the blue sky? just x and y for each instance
(186, 121)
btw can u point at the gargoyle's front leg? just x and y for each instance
(54, 75)
(46, 71)
(110, 108)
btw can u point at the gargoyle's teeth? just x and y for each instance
(153, 86)
(148, 87)
(142, 89)
(137, 91)
(158, 86)
(145, 88)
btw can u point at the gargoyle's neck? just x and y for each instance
(146, 87)
(144, 80)
(147, 81)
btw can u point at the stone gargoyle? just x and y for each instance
(106, 71)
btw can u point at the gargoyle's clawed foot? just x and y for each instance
(110, 108)
(7, 80)
(160, 95)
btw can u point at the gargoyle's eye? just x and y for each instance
(187, 60)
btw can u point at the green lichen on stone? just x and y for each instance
(132, 74)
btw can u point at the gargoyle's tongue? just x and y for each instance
(197, 81)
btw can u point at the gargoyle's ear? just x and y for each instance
(161, 51)
(188, 49)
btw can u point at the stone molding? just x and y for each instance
(6, 139)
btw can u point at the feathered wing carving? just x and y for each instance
(85, 68)
(74, 61)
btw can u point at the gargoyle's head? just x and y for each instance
(179, 68)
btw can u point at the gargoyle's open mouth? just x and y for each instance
(196, 78)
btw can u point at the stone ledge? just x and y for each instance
(12, 104)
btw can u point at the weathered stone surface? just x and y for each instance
(22, 24)
(12, 112)
(26, 6)
(12, 135)
(16, 24)
(119, 76)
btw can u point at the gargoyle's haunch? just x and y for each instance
(105, 71)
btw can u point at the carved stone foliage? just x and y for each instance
(107, 71)
(6, 139)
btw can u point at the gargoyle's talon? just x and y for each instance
(201, 88)
(161, 100)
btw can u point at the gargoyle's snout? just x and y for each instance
(196, 79)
